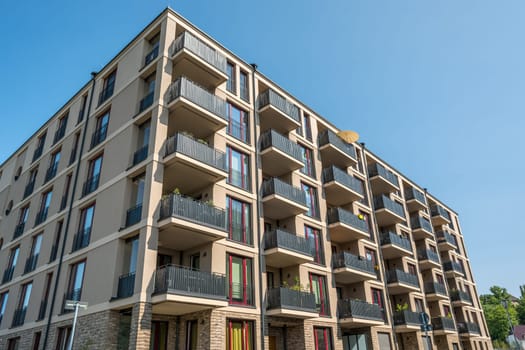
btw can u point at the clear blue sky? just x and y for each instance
(442, 79)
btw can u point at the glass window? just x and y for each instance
(245, 95)
(230, 71)
(239, 335)
(308, 161)
(75, 281)
(355, 342)
(131, 253)
(384, 341)
(124, 329)
(311, 200)
(25, 296)
(36, 340)
(24, 214)
(192, 335)
(238, 123)
(419, 305)
(318, 287)
(46, 202)
(3, 303)
(315, 239)
(13, 343)
(238, 165)
(64, 333)
(239, 272)
(159, 335)
(307, 127)
(323, 338)
(239, 220)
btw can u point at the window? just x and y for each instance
(83, 235)
(22, 219)
(313, 236)
(64, 334)
(13, 259)
(91, 184)
(54, 249)
(307, 127)
(159, 335)
(109, 86)
(61, 129)
(239, 272)
(134, 214)
(311, 200)
(154, 43)
(31, 182)
(101, 129)
(83, 104)
(73, 154)
(131, 253)
(192, 334)
(36, 340)
(377, 298)
(142, 151)
(245, 95)
(13, 343)
(32, 260)
(39, 146)
(323, 338)
(3, 303)
(45, 297)
(124, 329)
(41, 216)
(150, 92)
(384, 341)
(239, 335)
(318, 287)
(446, 311)
(356, 341)
(238, 123)
(239, 220)
(67, 184)
(308, 161)
(230, 71)
(411, 269)
(76, 278)
(238, 165)
(419, 304)
(23, 303)
(440, 279)
(53, 166)
(371, 256)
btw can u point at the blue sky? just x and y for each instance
(443, 80)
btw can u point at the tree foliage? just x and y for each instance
(495, 313)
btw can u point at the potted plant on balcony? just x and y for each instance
(401, 307)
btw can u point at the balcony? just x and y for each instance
(140, 155)
(185, 223)
(340, 187)
(51, 172)
(146, 102)
(435, 291)
(443, 325)
(126, 286)
(282, 200)
(468, 329)
(428, 259)
(90, 185)
(81, 239)
(60, 132)
(276, 112)
(286, 302)
(460, 298)
(446, 241)
(382, 180)
(453, 269)
(349, 268)
(28, 190)
(31, 263)
(394, 245)
(279, 155)
(400, 282)
(19, 317)
(19, 230)
(133, 215)
(8, 274)
(335, 151)
(345, 227)
(99, 136)
(415, 199)
(198, 60)
(406, 321)
(358, 313)
(41, 216)
(283, 249)
(439, 215)
(180, 290)
(196, 109)
(421, 227)
(388, 212)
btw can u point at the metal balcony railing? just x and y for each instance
(272, 138)
(453, 266)
(106, 93)
(81, 239)
(282, 239)
(377, 169)
(31, 263)
(99, 135)
(126, 285)
(468, 327)
(140, 155)
(348, 260)
(151, 55)
(281, 188)
(335, 174)
(339, 215)
(437, 210)
(399, 276)
(459, 295)
(192, 210)
(270, 97)
(191, 43)
(428, 254)
(8, 274)
(329, 137)
(51, 172)
(435, 288)
(443, 323)
(395, 240)
(41, 216)
(359, 309)
(445, 237)
(412, 193)
(196, 150)
(19, 230)
(133, 215)
(383, 202)
(90, 185)
(146, 101)
(29, 189)
(60, 132)
(19, 317)
(417, 222)
(286, 298)
(406, 318)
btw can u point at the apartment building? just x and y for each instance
(195, 204)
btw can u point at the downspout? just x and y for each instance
(256, 172)
(68, 219)
(378, 240)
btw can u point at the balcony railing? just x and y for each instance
(453, 266)
(272, 138)
(435, 288)
(444, 236)
(126, 285)
(191, 43)
(8, 274)
(417, 222)
(183, 280)
(193, 210)
(38, 151)
(428, 254)
(42, 310)
(339, 215)
(335, 174)
(359, 309)
(468, 327)
(282, 239)
(443, 323)
(412, 193)
(31, 263)
(183, 87)
(286, 298)
(396, 240)
(19, 230)
(81, 239)
(151, 55)
(133, 215)
(99, 135)
(61, 131)
(274, 186)
(29, 189)
(146, 101)
(270, 97)
(19, 317)
(140, 155)
(399, 276)
(90, 185)
(51, 172)
(406, 318)
(348, 260)
(437, 210)
(383, 202)
(329, 137)
(377, 169)
(459, 295)
(196, 150)
(41, 216)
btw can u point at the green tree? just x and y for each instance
(495, 313)
(520, 309)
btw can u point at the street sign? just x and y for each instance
(425, 319)
(426, 328)
(71, 304)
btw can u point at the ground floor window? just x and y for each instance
(64, 334)
(323, 338)
(355, 342)
(124, 328)
(192, 335)
(384, 341)
(13, 343)
(159, 336)
(239, 335)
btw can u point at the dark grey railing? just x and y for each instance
(359, 309)
(329, 137)
(60, 132)
(396, 240)
(146, 101)
(278, 187)
(348, 260)
(339, 215)
(437, 210)
(189, 209)
(443, 323)
(399, 276)
(183, 87)
(196, 150)
(406, 318)
(417, 222)
(90, 185)
(468, 327)
(29, 189)
(133, 215)
(151, 55)
(412, 193)
(282, 239)
(453, 266)
(19, 317)
(126, 285)
(99, 135)
(41, 216)
(459, 295)
(106, 93)
(51, 172)
(8, 274)
(287, 298)
(428, 254)
(81, 239)
(335, 174)
(19, 229)
(31, 263)
(270, 97)
(444, 236)
(377, 169)
(185, 281)
(383, 202)
(272, 138)
(435, 288)
(140, 155)
(191, 43)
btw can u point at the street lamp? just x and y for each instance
(74, 305)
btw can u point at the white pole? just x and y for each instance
(70, 346)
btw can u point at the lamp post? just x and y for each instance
(74, 305)
(505, 304)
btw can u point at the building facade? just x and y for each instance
(194, 204)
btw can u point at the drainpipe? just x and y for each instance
(378, 240)
(177, 330)
(256, 172)
(70, 209)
